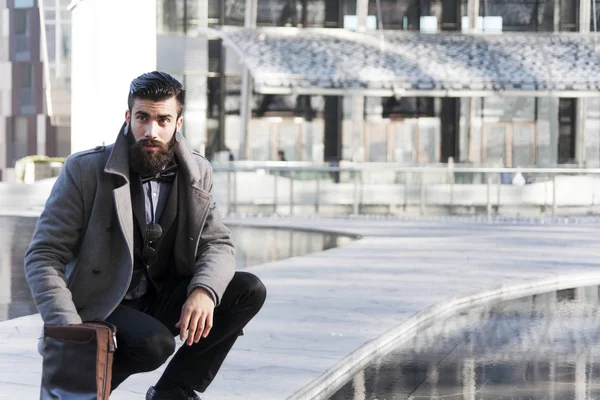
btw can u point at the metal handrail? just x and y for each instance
(348, 185)
(307, 167)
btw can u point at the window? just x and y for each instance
(408, 107)
(400, 14)
(450, 122)
(235, 12)
(178, 16)
(20, 27)
(24, 3)
(26, 89)
(26, 80)
(20, 22)
(597, 16)
(565, 294)
(407, 14)
(214, 12)
(307, 13)
(170, 16)
(451, 15)
(566, 130)
(19, 135)
(569, 14)
(521, 15)
(278, 13)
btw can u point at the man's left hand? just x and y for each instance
(196, 316)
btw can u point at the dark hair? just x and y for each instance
(156, 86)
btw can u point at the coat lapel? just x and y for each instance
(138, 203)
(118, 165)
(194, 203)
(122, 199)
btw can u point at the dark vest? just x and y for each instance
(160, 271)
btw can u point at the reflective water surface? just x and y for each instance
(545, 346)
(254, 246)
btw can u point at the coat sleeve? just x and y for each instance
(54, 243)
(215, 260)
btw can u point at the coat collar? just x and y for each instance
(118, 161)
(188, 166)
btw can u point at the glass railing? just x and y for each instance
(291, 188)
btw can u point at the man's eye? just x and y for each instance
(164, 120)
(141, 118)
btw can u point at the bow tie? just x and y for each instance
(166, 175)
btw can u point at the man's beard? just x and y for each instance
(149, 163)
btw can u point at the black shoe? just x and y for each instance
(171, 394)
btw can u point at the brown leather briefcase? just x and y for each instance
(77, 361)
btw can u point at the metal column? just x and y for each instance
(359, 147)
(222, 82)
(585, 15)
(246, 91)
(472, 14)
(362, 10)
(554, 128)
(556, 20)
(469, 379)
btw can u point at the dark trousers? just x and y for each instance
(146, 331)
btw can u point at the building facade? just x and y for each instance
(523, 128)
(28, 124)
(248, 92)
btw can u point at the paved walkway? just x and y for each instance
(329, 312)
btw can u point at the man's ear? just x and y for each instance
(127, 121)
(179, 123)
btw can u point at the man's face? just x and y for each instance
(152, 126)
(153, 121)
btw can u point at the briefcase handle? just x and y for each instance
(84, 332)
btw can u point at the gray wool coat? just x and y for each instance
(80, 261)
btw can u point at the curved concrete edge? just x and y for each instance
(252, 223)
(256, 224)
(331, 381)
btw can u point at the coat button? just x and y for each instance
(96, 271)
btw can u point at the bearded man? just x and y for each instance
(131, 235)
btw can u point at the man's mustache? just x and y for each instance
(150, 142)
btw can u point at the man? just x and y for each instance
(130, 234)
(281, 155)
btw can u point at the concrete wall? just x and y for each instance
(114, 41)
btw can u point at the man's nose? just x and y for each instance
(152, 131)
